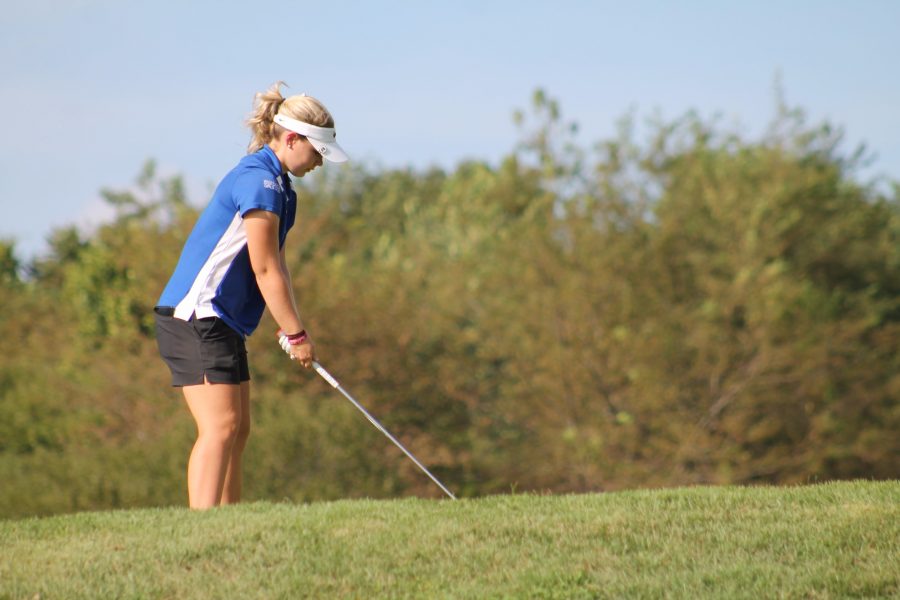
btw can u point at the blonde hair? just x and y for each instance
(270, 103)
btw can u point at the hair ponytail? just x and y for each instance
(261, 122)
(267, 104)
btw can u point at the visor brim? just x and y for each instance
(330, 151)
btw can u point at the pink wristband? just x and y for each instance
(297, 338)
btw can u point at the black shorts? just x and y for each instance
(201, 348)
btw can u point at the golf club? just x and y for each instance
(282, 339)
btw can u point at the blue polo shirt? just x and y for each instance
(213, 277)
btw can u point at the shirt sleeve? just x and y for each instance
(258, 189)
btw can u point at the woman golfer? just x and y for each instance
(231, 268)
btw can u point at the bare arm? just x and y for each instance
(272, 276)
(287, 275)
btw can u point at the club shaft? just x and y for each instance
(334, 383)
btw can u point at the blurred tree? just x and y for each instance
(9, 264)
(696, 307)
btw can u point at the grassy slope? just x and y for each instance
(832, 540)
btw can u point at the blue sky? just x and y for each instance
(92, 88)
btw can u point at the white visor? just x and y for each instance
(322, 138)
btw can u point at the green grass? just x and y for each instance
(833, 540)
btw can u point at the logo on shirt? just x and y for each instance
(273, 185)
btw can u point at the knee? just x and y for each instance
(224, 431)
(243, 430)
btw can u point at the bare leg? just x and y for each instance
(231, 493)
(216, 408)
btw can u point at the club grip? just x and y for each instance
(283, 342)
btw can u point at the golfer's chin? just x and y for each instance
(302, 171)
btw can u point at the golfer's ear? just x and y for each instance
(262, 240)
(292, 137)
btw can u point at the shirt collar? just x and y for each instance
(268, 156)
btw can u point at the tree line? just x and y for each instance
(680, 304)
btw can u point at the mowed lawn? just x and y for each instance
(833, 540)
